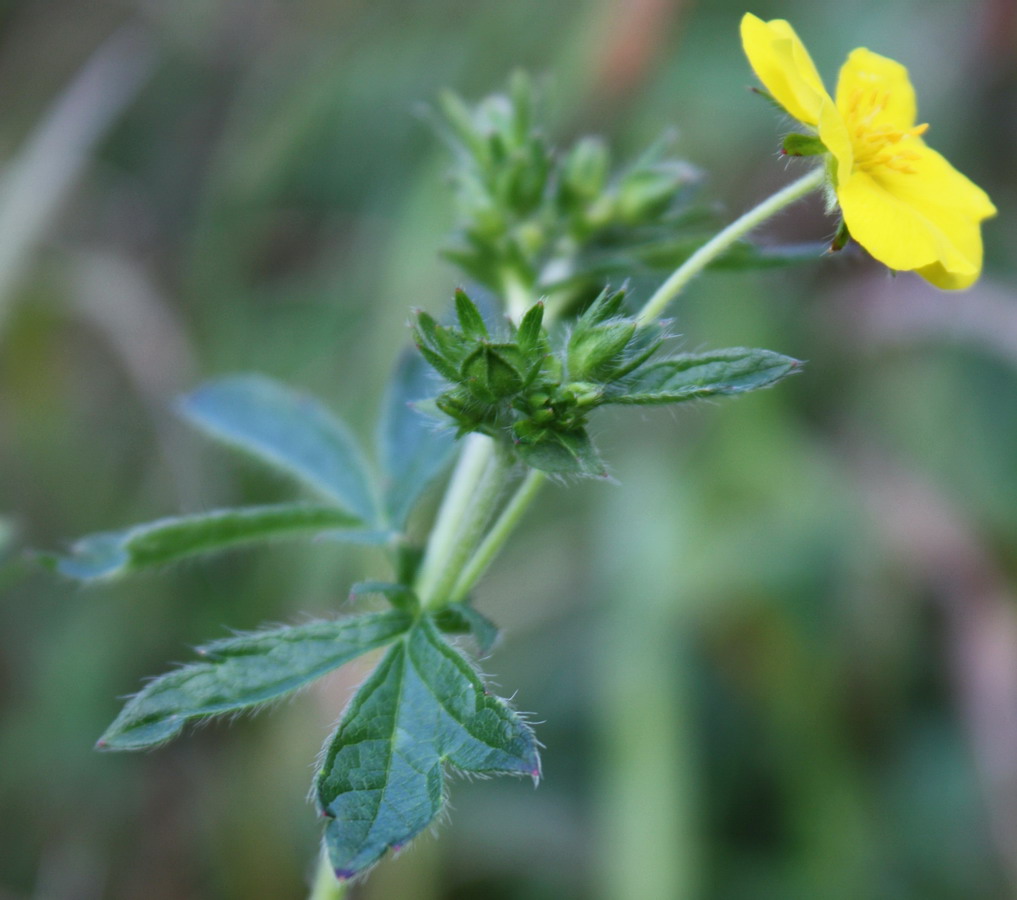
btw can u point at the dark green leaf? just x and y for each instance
(414, 449)
(245, 671)
(461, 618)
(155, 543)
(382, 776)
(693, 375)
(289, 430)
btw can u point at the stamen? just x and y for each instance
(879, 145)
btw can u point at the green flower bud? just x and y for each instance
(489, 376)
(582, 394)
(593, 352)
(645, 194)
(584, 174)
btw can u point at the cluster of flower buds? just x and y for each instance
(517, 388)
(524, 206)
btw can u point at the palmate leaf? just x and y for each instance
(695, 375)
(381, 780)
(116, 553)
(289, 430)
(413, 447)
(245, 671)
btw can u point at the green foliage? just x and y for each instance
(528, 212)
(167, 540)
(290, 431)
(412, 451)
(245, 671)
(381, 779)
(535, 396)
(559, 223)
(692, 376)
(533, 221)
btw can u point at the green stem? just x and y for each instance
(474, 519)
(473, 461)
(326, 885)
(499, 533)
(724, 239)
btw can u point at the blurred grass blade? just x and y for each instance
(36, 183)
(118, 553)
(382, 778)
(691, 376)
(13, 567)
(7, 533)
(289, 430)
(245, 671)
(413, 448)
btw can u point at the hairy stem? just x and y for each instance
(473, 461)
(720, 242)
(459, 543)
(498, 535)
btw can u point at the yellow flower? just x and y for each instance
(900, 199)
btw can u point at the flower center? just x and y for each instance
(875, 143)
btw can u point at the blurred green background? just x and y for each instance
(778, 661)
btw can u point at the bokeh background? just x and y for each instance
(778, 661)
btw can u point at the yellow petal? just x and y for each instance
(782, 63)
(948, 281)
(926, 220)
(934, 185)
(833, 132)
(867, 78)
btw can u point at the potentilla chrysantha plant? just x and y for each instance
(504, 395)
